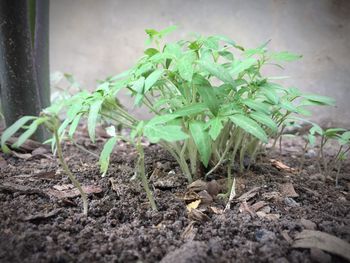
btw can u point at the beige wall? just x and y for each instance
(93, 39)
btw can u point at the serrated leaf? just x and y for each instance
(250, 126)
(226, 54)
(152, 79)
(284, 56)
(320, 100)
(169, 133)
(216, 70)
(242, 65)
(10, 131)
(265, 120)
(207, 93)
(138, 85)
(105, 154)
(74, 125)
(29, 132)
(257, 105)
(202, 140)
(215, 127)
(185, 67)
(92, 118)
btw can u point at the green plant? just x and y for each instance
(333, 136)
(211, 105)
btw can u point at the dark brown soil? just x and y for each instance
(121, 227)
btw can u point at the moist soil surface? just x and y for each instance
(41, 216)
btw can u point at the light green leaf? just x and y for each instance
(344, 138)
(265, 120)
(105, 154)
(285, 56)
(320, 100)
(191, 110)
(169, 133)
(242, 65)
(92, 118)
(202, 140)
(74, 125)
(29, 132)
(249, 126)
(185, 67)
(10, 131)
(216, 70)
(152, 79)
(215, 127)
(226, 54)
(257, 105)
(138, 85)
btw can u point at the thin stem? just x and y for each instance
(142, 174)
(70, 174)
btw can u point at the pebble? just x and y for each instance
(291, 202)
(263, 235)
(308, 224)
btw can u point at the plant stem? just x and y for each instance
(142, 174)
(70, 174)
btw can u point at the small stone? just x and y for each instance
(291, 202)
(213, 188)
(308, 224)
(311, 153)
(317, 255)
(263, 235)
(318, 177)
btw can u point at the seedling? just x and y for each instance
(338, 136)
(211, 105)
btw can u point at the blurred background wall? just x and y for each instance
(93, 39)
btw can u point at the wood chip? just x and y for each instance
(24, 156)
(287, 190)
(249, 195)
(197, 186)
(324, 241)
(71, 193)
(41, 216)
(281, 166)
(205, 197)
(244, 208)
(270, 217)
(276, 196)
(198, 216)
(3, 163)
(191, 196)
(193, 205)
(22, 189)
(190, 232)
(258, 205)
(28, 146)
(286, 236)
(216, 210)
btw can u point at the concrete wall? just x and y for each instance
(94, 39)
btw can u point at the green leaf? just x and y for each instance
(216, 70)
(202, 140)
(211, 42)
(105, 154)
(151, 51)
(344, 138)
(284, 56)
(74, 125)
(190, 110)
(320, 100)
(249, 126)
(152, 79)
(215, 127)
(169, 133)
(185, 67)
(334, 132)
(265, 120)
(92, 118)
(10, 131)
(242, 65)
(29, 132)
(226, 54)
(207, 93)
(257, 105)
(138, 85)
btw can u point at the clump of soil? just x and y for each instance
(41, 214)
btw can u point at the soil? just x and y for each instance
(41, 218)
